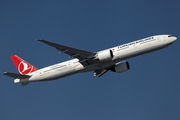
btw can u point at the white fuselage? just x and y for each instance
(120, 53)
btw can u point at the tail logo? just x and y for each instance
(24, 68)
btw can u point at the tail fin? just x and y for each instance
(22, 66)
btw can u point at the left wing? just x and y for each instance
(73, 52)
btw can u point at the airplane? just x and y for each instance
(112, 59)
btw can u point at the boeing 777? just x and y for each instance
(112, 59)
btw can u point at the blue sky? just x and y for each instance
(149, 90)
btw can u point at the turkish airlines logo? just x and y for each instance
(24, 68)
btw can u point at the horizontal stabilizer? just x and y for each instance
(15, 75)
(24, 83)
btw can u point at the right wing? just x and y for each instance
(82, 55)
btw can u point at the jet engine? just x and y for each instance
(121, 67)
(105, 55)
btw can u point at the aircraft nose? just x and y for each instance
(174, 39)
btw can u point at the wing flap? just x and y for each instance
(100, 72)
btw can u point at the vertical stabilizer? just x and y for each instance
(22, 66)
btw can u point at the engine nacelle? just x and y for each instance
(121, 67)
(105, 55)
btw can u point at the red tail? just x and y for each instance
(22, 66)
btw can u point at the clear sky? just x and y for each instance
(150, 90)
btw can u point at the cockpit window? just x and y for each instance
(169, 36)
